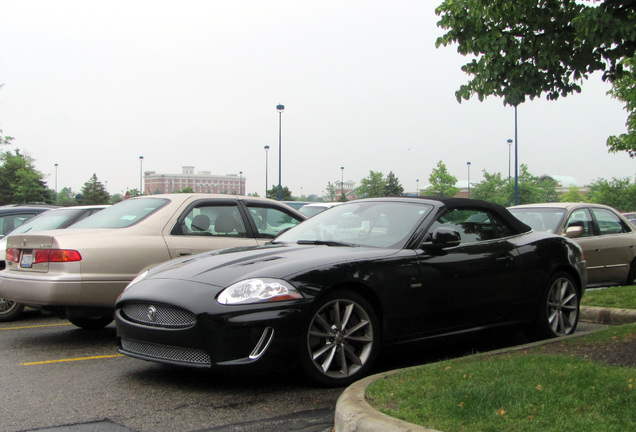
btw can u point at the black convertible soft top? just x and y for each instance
(452, 203)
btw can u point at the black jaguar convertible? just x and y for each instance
(330, 293)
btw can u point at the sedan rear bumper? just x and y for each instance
(38, 290)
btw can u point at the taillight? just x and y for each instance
(12, 255)
(55, 255)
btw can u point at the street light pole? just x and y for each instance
(56, 165)
(141, 172)
(266, 168)
(509, 147)
(417, 187)
(342, 181)
(516, 161)
(280, 108)
(468, 166)
(240, 182)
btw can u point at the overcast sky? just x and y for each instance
(93, 85)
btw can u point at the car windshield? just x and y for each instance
(47, 221)
(123, 214)
(540, 219)
(363, 223)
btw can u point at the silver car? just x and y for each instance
(607, 238)
(79, 272)
(56, 218)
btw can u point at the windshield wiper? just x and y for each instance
(325, 243)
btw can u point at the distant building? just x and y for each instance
(349, 188)
(201, 182)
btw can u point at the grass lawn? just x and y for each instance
(520, 391)
(529, 390)
(613, 297)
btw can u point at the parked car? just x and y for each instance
(417, 269)
(78, 272)
(607, 239)
(630, 217)
(313, 209)
(295, 204)
(55, 218)
(14, 215)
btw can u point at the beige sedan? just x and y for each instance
(607, 238)
(80, 271)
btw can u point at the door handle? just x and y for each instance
(184, 252)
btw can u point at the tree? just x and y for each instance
(286, 194)
(20, 182)
(573, 195)
(442, 184)
(372, 186)
(94, 192)
(5, 139)
(525, 48)
(493, 188)
(624, 89)
(617, 193)
(66, 197)
(331, 191)
(393, 186)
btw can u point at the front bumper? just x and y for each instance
(261, 339)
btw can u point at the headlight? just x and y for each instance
(258, 291)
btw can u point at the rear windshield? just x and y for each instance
(123, 214)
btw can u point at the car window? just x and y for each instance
(608, 222)
(582, 218)
(270, 221)
(473, 225)
(210, 219)
(540, 219)
(10, 222)
(123, 214)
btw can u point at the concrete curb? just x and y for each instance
(354, 414)
(607, 315)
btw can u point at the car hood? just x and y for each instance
(284, 261)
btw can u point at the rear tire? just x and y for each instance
(559, 308)
(91, 323)
(10, 310)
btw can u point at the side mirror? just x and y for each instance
(442, 238)
(574, 231)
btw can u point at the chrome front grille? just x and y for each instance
(158, 315)
(166, 352)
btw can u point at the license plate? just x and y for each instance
(26, 261)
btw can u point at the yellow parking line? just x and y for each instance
(35, 326)
(73, 359)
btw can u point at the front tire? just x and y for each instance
(559, 308)
(340, 342)
(10, 310)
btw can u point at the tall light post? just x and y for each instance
(266, 168)
(280, 108)
(141, 175)
(516, 161)
(417, 187)
(509, 148)
(240, 182)
(342, 181)
(56, 165)
(468, 166)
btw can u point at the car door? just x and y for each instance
(468, 285)
(591, 243)
(207, 225)
(614, 248)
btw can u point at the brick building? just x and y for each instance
(200, 182)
